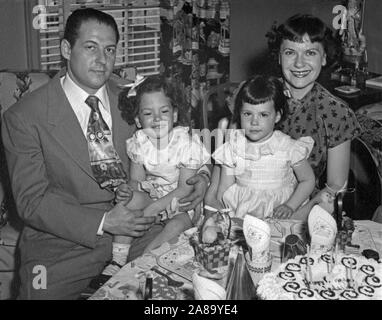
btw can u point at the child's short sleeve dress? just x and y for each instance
(163, 166)
(263, 171)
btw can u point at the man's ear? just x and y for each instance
(278, 117)
(137, 123)
(175, 115)
(66, 49)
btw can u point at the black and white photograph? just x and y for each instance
(203, 152)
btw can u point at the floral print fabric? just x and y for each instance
(324, 117)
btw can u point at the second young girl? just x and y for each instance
(163, 156)
(264, 172)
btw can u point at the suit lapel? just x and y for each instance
(65, 126)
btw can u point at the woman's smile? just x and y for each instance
(300, 74)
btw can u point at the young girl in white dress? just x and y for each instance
(264, 172)
(163, 156)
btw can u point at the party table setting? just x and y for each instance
(328, 257)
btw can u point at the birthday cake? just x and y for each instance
(349, 278)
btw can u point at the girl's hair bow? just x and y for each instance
(138, 80)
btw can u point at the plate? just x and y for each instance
(347, 89)
(180, 260)
(363, 237)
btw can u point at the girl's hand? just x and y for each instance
(282, 212)
(124, 193)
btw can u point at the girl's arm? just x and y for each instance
(211, 195)
(306, 180)
(129, 193)
(227, 179)
(181, 191)
(137, 173)
(338, 165)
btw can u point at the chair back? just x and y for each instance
(366, 169)
(217, 104)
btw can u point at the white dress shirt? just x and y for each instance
(77, 97)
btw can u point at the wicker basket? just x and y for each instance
(211, 256)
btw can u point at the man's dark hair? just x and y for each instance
(79, 16)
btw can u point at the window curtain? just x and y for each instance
(195, 47)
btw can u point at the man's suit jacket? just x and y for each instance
(56, 194)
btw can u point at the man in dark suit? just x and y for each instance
(67, 210)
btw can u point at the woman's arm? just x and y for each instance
(181, 191)
(338, 166)
(305, 177)
(337, 174)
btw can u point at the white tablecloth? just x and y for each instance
(125, 283)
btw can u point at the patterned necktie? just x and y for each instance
(104, 160)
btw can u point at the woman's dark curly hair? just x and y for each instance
(129, 106)
(296, 27)
(261, 89)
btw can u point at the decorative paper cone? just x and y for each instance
(322, 227)
(258, 269)
(257, 234)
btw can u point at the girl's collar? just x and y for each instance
(254, 150)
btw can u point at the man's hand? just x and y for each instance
(200, 183)
(124, 193)
(125, 222)
(282, 212)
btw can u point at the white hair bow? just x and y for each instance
(138, 80)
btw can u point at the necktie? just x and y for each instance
(104, 160)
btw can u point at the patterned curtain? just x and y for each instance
(195, 47)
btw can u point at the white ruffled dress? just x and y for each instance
(264, 176)
(163, 166)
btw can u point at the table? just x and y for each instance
(357, 100)
(127, 282)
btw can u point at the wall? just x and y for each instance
(373, 27)
(250, 21)
(13, 53)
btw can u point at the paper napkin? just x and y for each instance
(206, 289)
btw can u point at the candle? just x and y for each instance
(351, 277)
(309, 269)
(331, 259)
